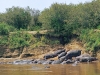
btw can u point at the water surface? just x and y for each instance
(68, 69)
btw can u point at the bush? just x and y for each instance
(34, 28)
(19, 39)
(5, 29)
(91, 39)
(98, 27)
(3, 40)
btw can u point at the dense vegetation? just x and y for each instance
(64, 21)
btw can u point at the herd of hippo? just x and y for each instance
(64, 57)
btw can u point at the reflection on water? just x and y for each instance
(81, 69)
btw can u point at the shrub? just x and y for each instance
(19, 39)
(3, 40)
(5, 29)
(91, 39)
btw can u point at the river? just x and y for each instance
(68, 69)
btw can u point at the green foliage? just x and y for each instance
(21, 18)
(54, 18)
(98, 27)
(91, 39)
(43, 41)
(67, 20)
(19, 39)
(18, 17)
(5, 29)
(4, 40)
(34, 28)
(34, 23)
(62, 20)
(91, 15)
(38, 42)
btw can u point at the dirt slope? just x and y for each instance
(73, 45)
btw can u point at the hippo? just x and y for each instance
(16, 62)
(64, 62)
(62, 54)
(21, 62)
(59, 51)
(87, 59)
(62, 58)
(78, 58)
(54, 55)
(35, 61)
(56, 62)
(48, 62)
(93, 59)
(73, 53)
(69, 61)
(83, 55)
(40, 61)
(48, 56)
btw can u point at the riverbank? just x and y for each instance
(38, 53)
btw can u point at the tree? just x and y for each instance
(34, 24)
(18, 17)
(5, 29)
(91, 14)
(57, 18)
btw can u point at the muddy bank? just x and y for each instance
(37, 53)
(27, 52)
(63, 57)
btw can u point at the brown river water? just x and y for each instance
(68, 69)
